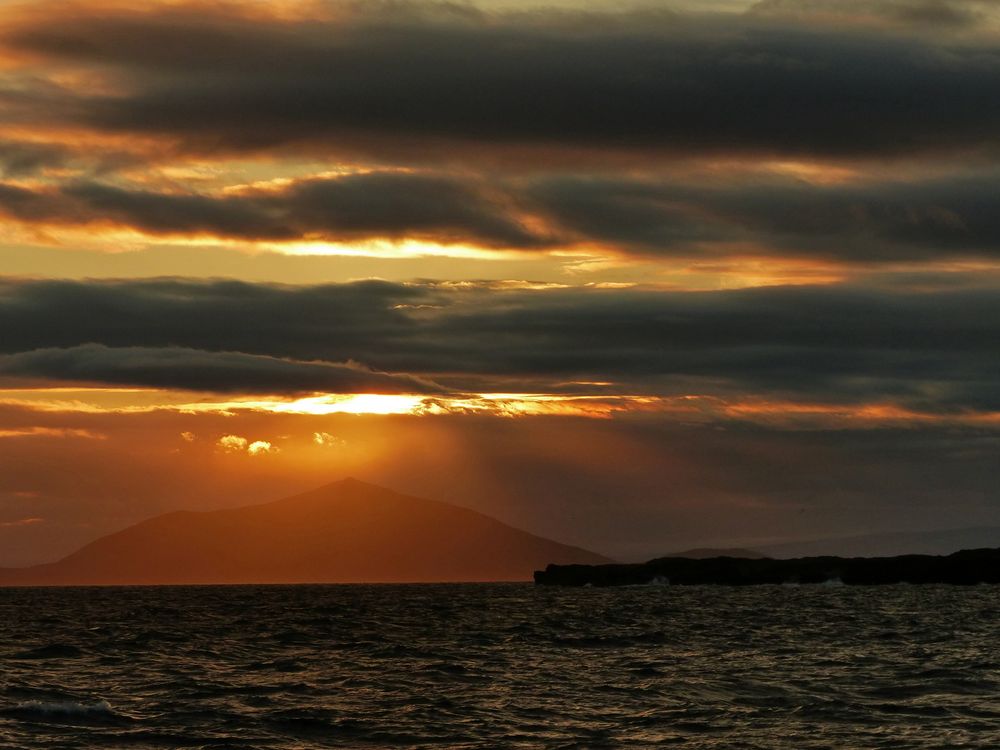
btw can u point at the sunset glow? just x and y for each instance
(334, 334)
(470, 251)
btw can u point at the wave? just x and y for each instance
(68, 710)
(495, 665)
(652, 638)
(51, 651)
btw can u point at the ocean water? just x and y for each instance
(500, 666)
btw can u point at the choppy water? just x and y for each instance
(498, 666)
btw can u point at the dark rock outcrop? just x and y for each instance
(967, 567)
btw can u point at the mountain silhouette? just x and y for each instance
(704, 553)
(345, 532)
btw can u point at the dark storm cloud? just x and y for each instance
(27, 158)
(191, 369)
(881, 221)
(877, 222)
(394, 82)
(358, 205)
(217, 315)
(932, 351)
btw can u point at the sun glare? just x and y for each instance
(391, 249)
(357, 403)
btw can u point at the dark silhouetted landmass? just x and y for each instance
(966, 567)
(345, 532)
(702, 553)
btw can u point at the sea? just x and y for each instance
(500, 666)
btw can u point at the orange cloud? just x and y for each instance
(238, 444)
(21, 522)
(57, 432)
(232, 443)
(258, 447)
(326, 439)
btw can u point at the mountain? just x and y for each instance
(345, 532)
(704, 553)
(940, 542)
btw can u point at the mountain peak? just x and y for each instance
(344, 532)
(346, 482)
(353, 481)
(349, 484)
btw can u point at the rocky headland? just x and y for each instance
(967, 567)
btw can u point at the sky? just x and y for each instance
(634, 277)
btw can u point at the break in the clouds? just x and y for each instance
(386, 80)
(933, 351)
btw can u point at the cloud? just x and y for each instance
(259, 447)
(326, 439)
(238, 444)
(19, 158)
(31, 521)
(193, 369)
(871, 221)
(859, 222)
(929, 350)
(385, 204)
(56, 432)
(213, 315)
(439, 104)
(390, 84)
(232, 443)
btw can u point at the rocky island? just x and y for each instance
(967, 567)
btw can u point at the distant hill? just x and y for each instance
(942, 542)
(348, 531)
(704, 553)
